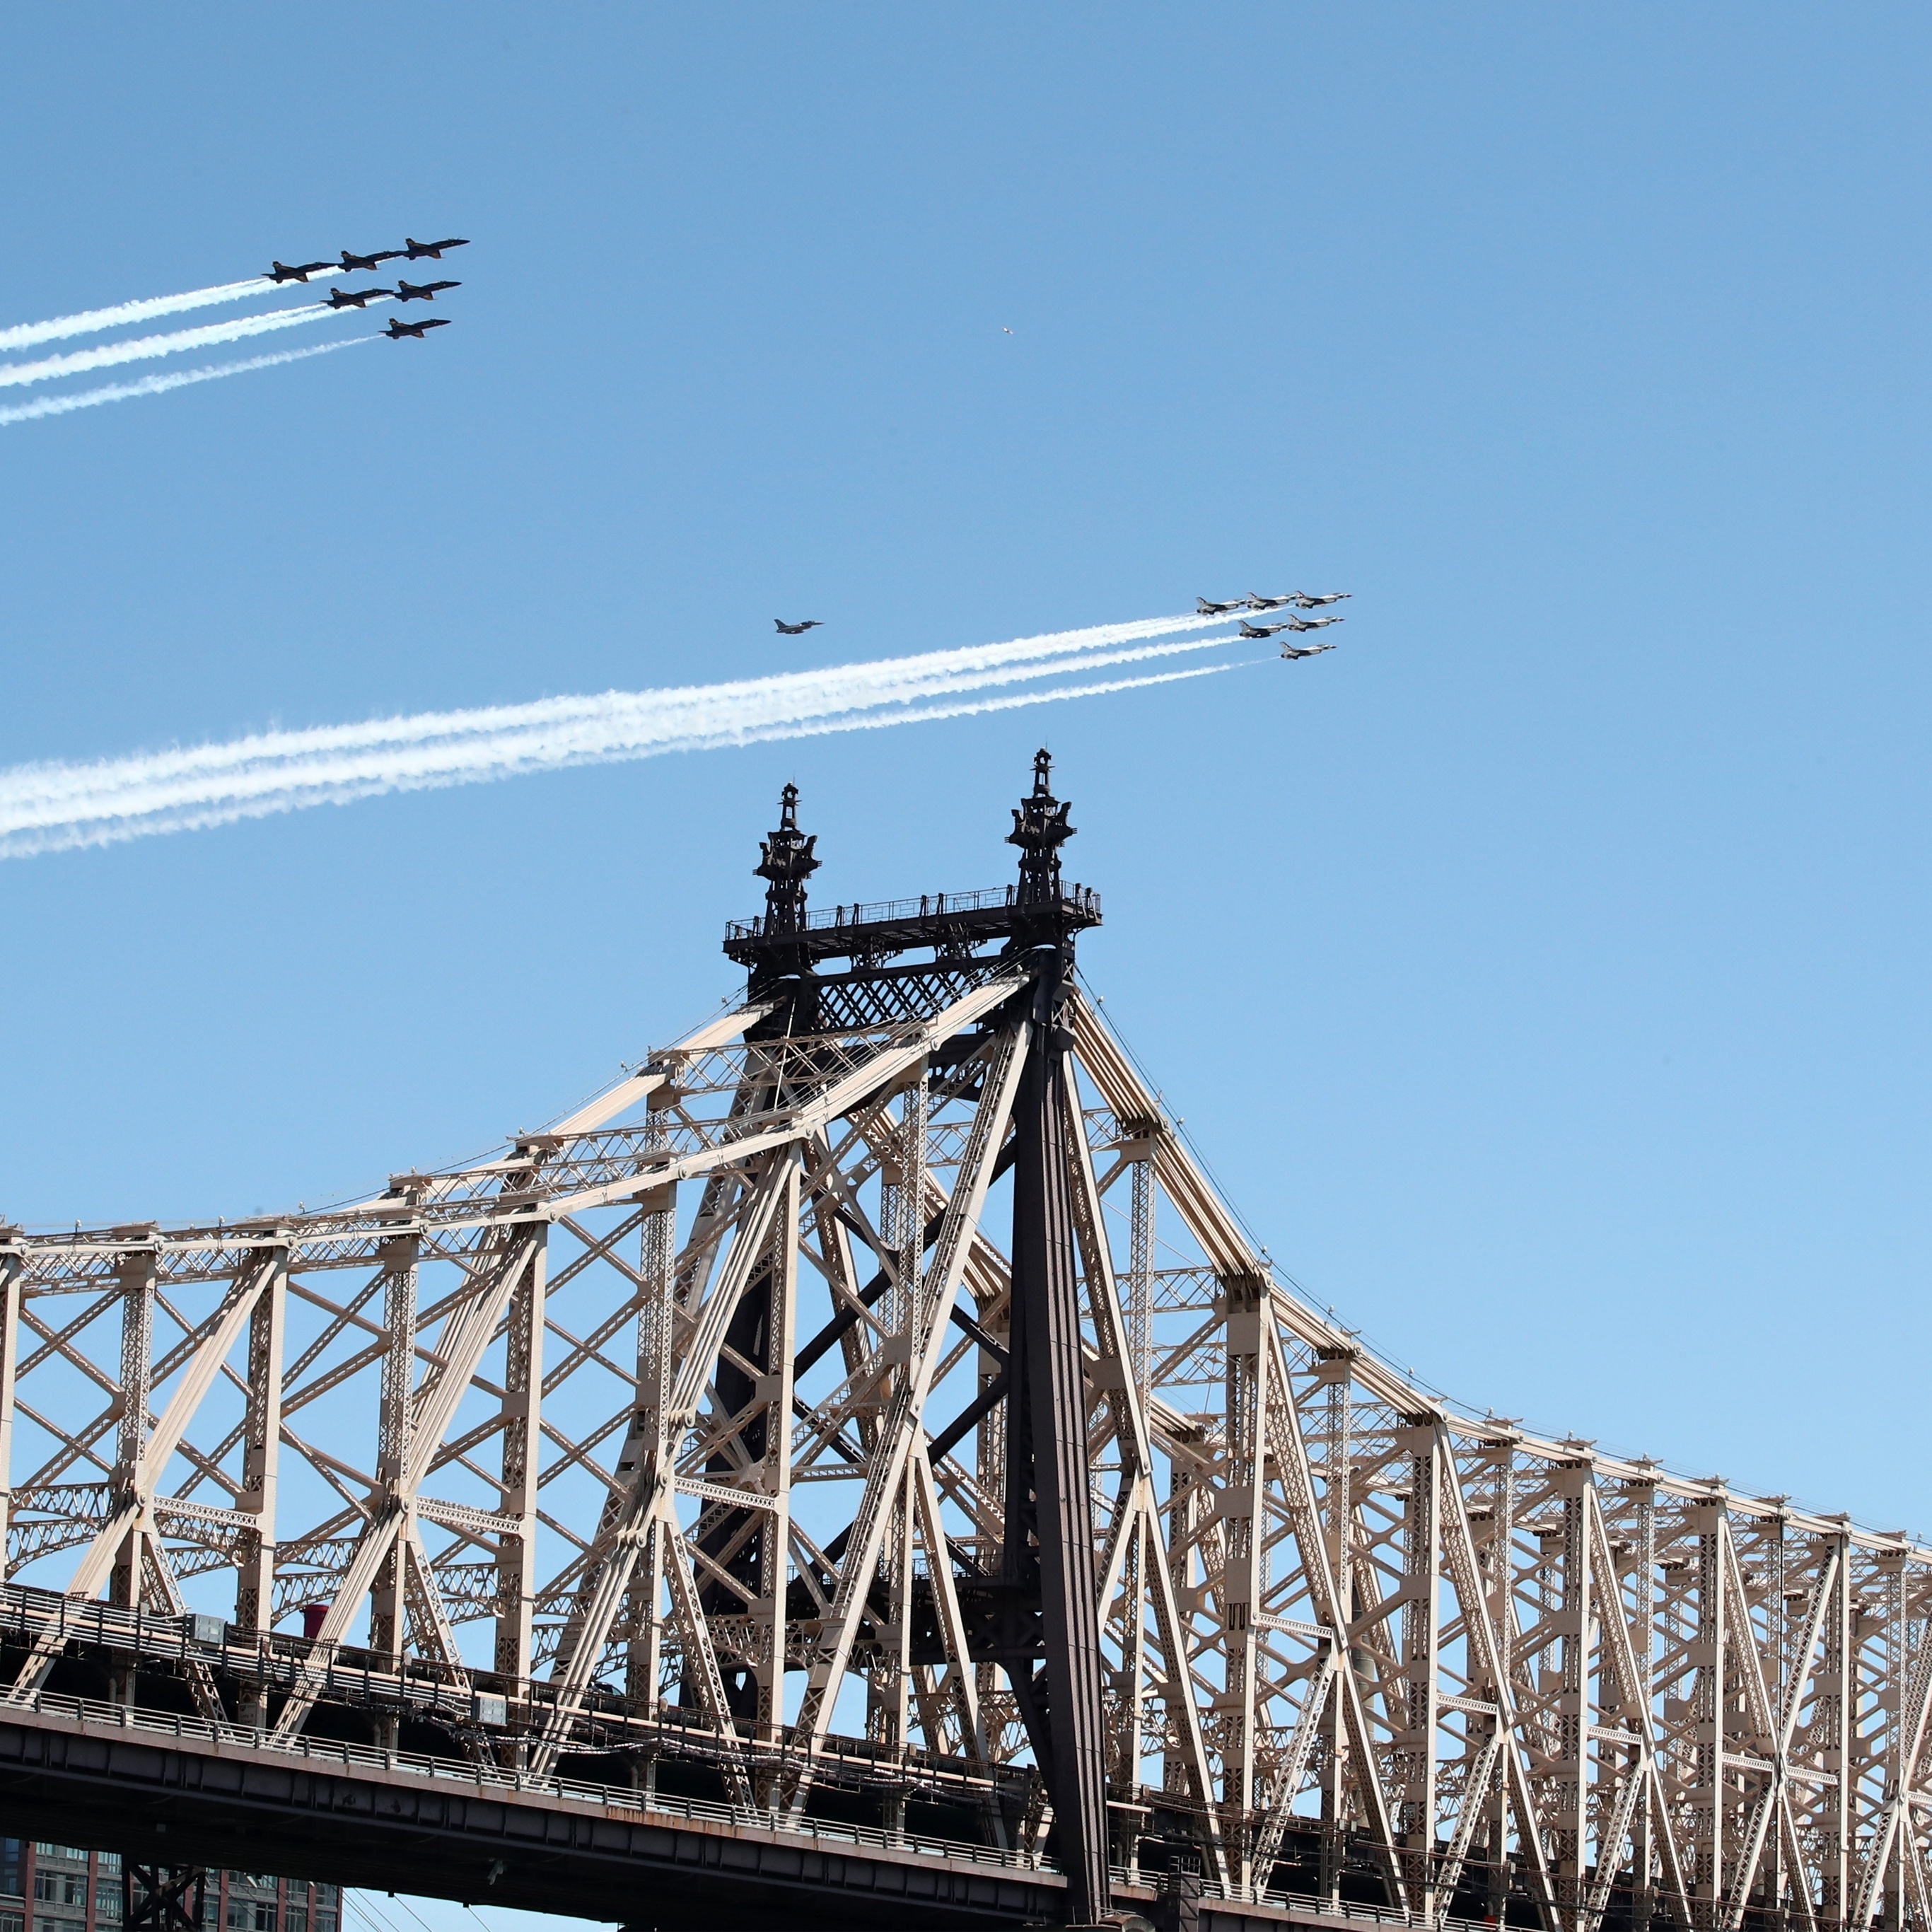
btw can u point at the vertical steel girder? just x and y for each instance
(1048, 1558)
(740, 1397)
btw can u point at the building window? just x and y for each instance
(251, 1915)
(56, 1924)
(75, 1854)
(294, 1918)
(325, 1922)
(13, 1860)
(107, 1898)
(12, 1921)
(108, 1861)
(60, 1888)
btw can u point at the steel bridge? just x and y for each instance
(857, 1466)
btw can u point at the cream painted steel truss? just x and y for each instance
(697, 1394)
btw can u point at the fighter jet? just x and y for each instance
(1293, 651)
(354, 298)
(398, 328)
(280, 272)
(1256, 600)
(1248, 630)
(418, 251)
(1308, 623)
(798, 630)
(1302, 601)
(351, 263)
(1204, 608)
(421, 291)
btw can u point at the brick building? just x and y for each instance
(47, 1888)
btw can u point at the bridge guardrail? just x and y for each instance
(511, 1782)
(179, 1636)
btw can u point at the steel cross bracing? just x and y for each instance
(689, 1418)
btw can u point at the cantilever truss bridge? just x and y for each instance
(858, 1462)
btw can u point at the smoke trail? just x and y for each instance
(91, 322)
(788, 694)
(158, 386)
(143, 348)
(58, 807)
(929, 713)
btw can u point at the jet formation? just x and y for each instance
(1294, 600)
(1302, 600)
(353, 264)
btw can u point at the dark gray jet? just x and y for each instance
(1256, 602)
(798, 630)
(280, 272)
(421, 291)
(432, 251)
(1203, 608)
(1248, 630)
(1308, 623)
(355, 297)
(351, 264)
(1293, 651)
(398, 328)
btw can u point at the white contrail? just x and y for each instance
(92, 321)
(57, 807)
(144, 348)
(159, 385)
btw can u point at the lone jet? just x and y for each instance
(798, 630)
(398, 328)
(280, 272)
(351, 263)
(1302, 602)
(1248, 630)
(354, 298)
(1309, 623)
(418, 251)
(421, 291)
(1293, 651)
(1204, 608)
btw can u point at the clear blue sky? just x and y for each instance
(1544, 973)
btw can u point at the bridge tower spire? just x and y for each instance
(787, 858)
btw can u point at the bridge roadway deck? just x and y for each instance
(176, 1790)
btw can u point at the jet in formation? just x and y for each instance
(1309, 623)
(1205, 608)
(280, 272)
(368, 264)
(1292, 651)
(798, 630)
(432, 251)
(1248, 630)
(398, 328)
(355, 297)
(421, 291)
(1300, 599)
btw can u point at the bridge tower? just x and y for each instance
(856, 1467)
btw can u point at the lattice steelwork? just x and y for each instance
(697, 1405)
